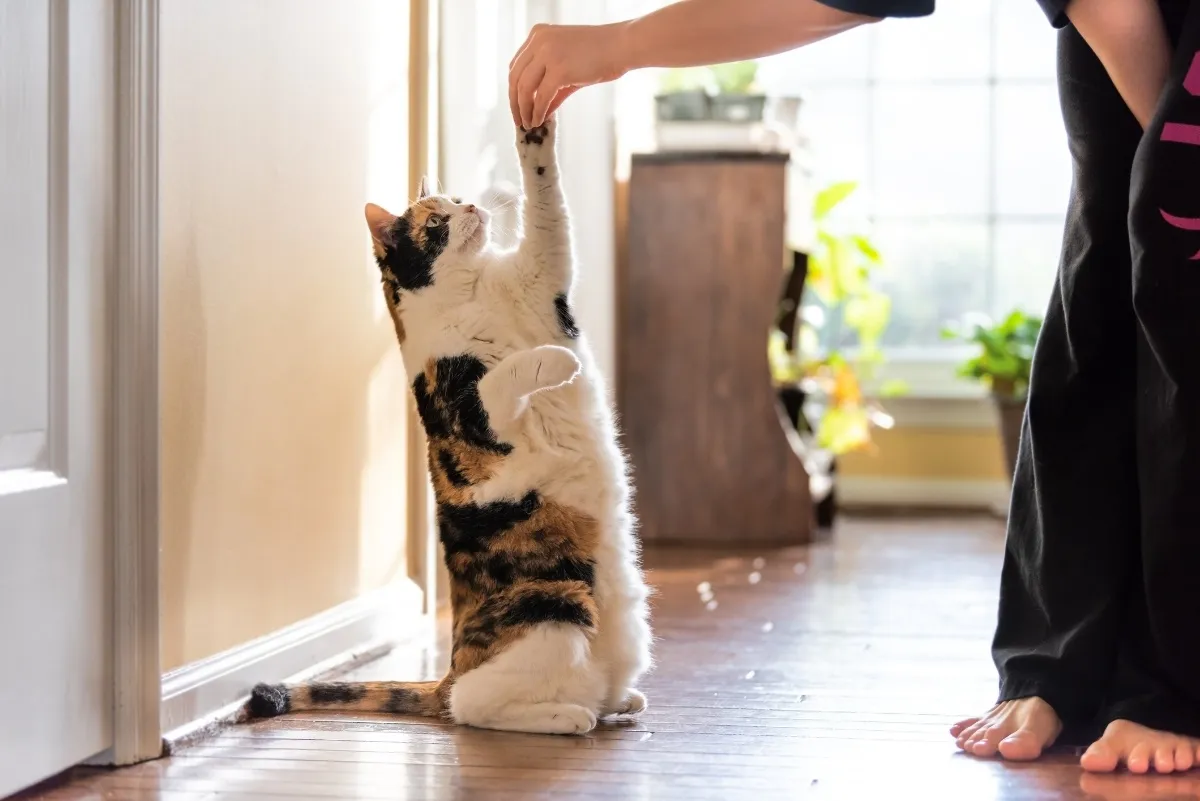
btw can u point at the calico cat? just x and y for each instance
(550, 614)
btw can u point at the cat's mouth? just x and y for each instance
(477, 227)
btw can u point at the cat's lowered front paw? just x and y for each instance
(554, 366)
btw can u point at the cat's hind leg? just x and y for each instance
(633, 703)
(505, 389)
(546, 682)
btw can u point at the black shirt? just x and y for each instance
(919, 8)
(884, 8)
(1056, 10)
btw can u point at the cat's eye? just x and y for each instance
(433, 222)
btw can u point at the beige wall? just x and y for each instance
(916, 453)
(283, 391)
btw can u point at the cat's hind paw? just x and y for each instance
(633, 704)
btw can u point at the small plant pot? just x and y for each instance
(1011, 412)
(739, 108)
(690, 106)
(793, 398)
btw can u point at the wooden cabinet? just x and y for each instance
(713, 457)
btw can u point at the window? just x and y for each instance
(951, 126)
(478, 159)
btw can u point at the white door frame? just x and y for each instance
(134, 424)
(134, 437)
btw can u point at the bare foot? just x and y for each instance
(1139, 749)
(1019, 730)
(1124, 787)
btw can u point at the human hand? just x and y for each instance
(555, 62)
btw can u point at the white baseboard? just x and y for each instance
(197, 695)
(931, 493)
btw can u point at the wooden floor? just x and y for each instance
(827, 672)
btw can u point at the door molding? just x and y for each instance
(134, 418)
(423, 133)
(212, 692)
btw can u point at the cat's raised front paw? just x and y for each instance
(533, 142)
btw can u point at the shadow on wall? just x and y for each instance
(283, 391)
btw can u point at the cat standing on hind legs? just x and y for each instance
(549, 603)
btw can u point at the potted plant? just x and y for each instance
(1002, 363)
(737, 98)
(819, 378)
(683, 95)
(724, 93)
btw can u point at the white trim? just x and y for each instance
(200, 694)
(134, 479)
(927, 374)
(424, 110)
(990, 495)
(920, 412)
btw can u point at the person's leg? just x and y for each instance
(1073, 518)
(1157, 688)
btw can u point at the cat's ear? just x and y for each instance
(380, 221)
(425, 189)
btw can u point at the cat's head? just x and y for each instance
(436, 235)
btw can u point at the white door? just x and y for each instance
(56, 245)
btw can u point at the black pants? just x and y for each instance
(1100, 591)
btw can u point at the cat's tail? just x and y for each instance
(396, 697)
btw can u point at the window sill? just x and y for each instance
(935, 397)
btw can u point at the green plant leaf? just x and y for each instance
(682, 79)
(735, 77)
(820, 279)
(893, 388)
(829, 197)
(1005, 353)
(868, 315)
(866, 248)
(843, 430)
(846, 271)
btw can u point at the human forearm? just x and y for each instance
(557, 60)
(694, 33)
(1130, 39)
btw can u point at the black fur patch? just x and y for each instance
(471, 527)
(403, 702)
(541, 170)
(566, 320)
(480, 633)
(269, 700)
(411, 265)
(450, 467)
(545, 607)
(504, 569)
(453, 408)
(536, 136)
(336, 693)
(568, 569)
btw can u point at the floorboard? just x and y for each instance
(831, 671)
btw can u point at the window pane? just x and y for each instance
(934, 272)
(838, 60)
(1033, 168)
(1025, 41)
(931, 150)
(837, 125)
(953, 44)
(1026, 260)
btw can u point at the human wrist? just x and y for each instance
(622, 46)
